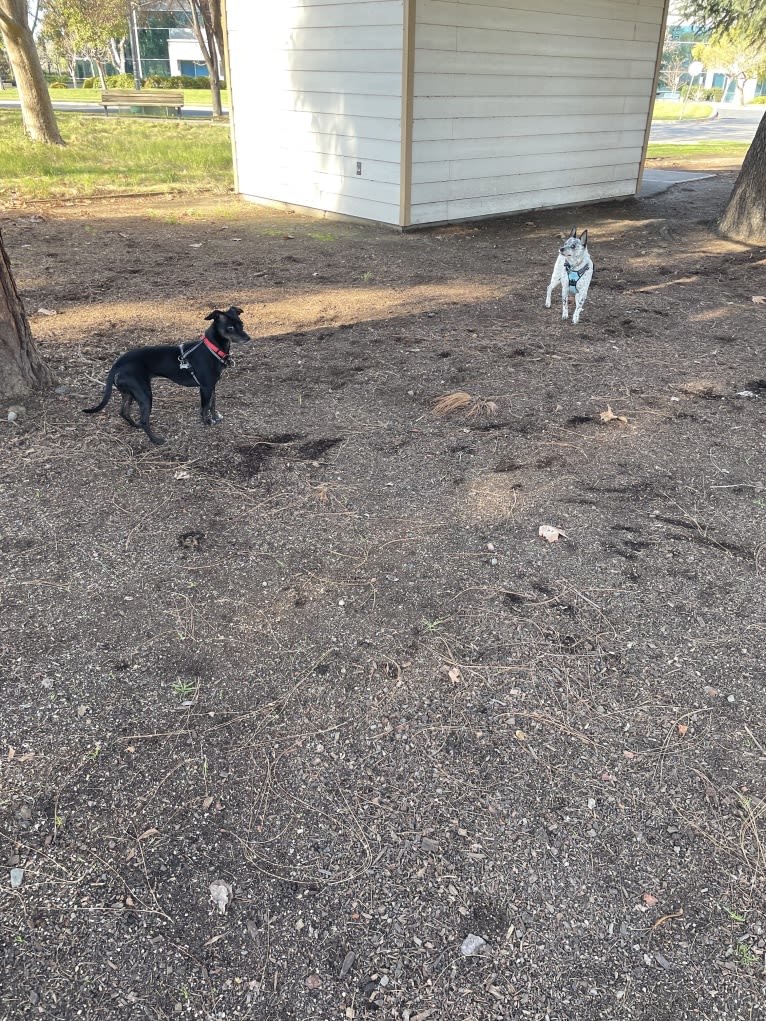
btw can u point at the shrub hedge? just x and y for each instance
(701, 94)
(177, 81)
(153, 81)
(113, 81)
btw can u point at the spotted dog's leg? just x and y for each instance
(564, 293)
(556, 279)
(581, 294)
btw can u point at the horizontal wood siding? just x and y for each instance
(316, 90)
(520, 104)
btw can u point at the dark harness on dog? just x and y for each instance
(218, 353)
(574, 276)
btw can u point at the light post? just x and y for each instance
(137, 69)
(696, 68)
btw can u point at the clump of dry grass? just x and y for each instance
(482, 407)
(447, 404)
(460, 400)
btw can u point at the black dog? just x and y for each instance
(199, 364)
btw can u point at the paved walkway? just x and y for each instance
(656, 181)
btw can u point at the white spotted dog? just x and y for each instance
(573, 271)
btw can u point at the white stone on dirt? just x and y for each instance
(472, 945)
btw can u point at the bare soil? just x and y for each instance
(321, 654)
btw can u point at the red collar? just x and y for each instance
(220, 354)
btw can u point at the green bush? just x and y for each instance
(90, 83)
(701, 94)
(120, 81)
(177, 81)
(759, 101)
(58, 85)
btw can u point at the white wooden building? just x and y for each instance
(414, 112)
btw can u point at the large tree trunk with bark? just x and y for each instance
(745, 216)
(36, 107)
(21, 366)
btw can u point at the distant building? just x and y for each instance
(167, 42)
(184, 54)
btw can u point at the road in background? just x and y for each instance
(187, 113)
(732, 124)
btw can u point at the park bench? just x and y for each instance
(142, 98)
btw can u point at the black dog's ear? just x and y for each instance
(214, 314)
(573, 232)
(584, 238)
(234, 311)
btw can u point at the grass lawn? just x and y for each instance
(192, 97)
(113, 156)
(673, 110)
(693, 150)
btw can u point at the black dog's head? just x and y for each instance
(228, 326)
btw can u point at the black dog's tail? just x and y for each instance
(107, 394)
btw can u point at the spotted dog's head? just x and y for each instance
(575, 249)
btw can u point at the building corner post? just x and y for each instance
(655, 80)
(408, 76)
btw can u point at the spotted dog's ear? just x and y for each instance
(584, 238)
(573, 232)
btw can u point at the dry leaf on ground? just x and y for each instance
(609, 416)
(220, 894)
(550, 533)
(759, 299)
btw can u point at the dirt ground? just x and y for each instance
(320, 656)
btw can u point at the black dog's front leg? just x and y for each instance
(207, 406)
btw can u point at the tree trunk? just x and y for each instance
(215, 90)
(745, 215)
(203, 22)
(216, 31)
(117, 46)
(36, 107)
(21, 366)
